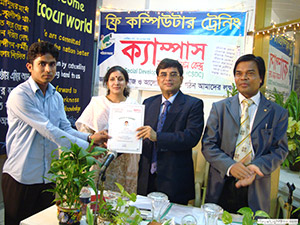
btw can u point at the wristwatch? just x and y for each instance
(89, 138)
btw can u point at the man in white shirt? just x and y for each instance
(235, 181)
(36, 123)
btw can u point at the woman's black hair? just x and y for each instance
(123, 71)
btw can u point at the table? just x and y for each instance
(48, 216)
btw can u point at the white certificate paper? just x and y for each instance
(123, 121)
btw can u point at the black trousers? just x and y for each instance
(232, 198)
(22, 201)
(152, 183)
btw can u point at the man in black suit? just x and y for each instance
(170, 132)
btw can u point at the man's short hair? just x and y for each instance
(167, 63)
(38, 49)
(259, 62)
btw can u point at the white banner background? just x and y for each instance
(278, 71)
(207, 71)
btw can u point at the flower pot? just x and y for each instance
(102, 221)
(295, 166)
(68, 215)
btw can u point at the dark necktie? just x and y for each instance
(160, 125)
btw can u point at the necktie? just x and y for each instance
(160, 124)
(243, 148)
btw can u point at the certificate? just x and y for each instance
(123, 121)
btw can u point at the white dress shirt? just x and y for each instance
(252, 108)
(36, 124)
(171, 100)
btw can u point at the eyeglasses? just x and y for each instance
(172, 75)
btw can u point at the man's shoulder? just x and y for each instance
(277, 108)
(21, 88)
(190, 98)
(152, 98)
(57, 94)
(224, 101)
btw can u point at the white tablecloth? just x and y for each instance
(48, 216)
(45, 217)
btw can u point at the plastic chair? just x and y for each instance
(201, 167)
(283, 207)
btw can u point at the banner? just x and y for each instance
(68, 24)
(205, 43)
(280, 58)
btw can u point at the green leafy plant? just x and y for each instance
(248, 216)
(293, 134)
(121, 213)
(89, 216)
(226, 217)
(71, 171)
(292, 104)
(232, 92)
(168, 222)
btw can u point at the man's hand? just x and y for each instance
(146, 132)
(100, 138)
(240, 171)
(255, 169)
(247, 181)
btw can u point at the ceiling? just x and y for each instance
(284, 10)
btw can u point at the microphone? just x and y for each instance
(109, 158)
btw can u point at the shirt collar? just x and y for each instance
(171, 99)
(34, 86)
(255, 98)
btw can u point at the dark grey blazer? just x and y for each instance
(181, 132)
(269, 141)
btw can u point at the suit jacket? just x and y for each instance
(181, 132)
(269, 142)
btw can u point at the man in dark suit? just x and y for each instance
(234, 183)
(166, 163)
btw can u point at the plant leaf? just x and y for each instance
(90, 160)
(246, 211)
(296, 210)
(82, 153)
(261, 213)
(131, 210)
(247, 220)
(226, 217)
(121, 188)
(133, 196)
(89, 216)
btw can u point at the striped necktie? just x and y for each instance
(243, 149)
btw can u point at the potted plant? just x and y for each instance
(249, 218)
(119, 213)
(234, 91)
(292, 104)
(293, 133)
(70, 172)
